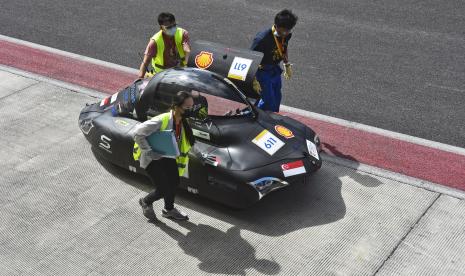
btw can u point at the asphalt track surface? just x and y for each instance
(397, 65)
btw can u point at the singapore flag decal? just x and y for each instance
(293, 168)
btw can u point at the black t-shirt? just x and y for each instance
(264, 42)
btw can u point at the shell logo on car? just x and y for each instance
(284, 131)
(204, 59)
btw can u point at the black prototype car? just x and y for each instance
(241, 152)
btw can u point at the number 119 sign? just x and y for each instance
(268, 142)
(239, 68)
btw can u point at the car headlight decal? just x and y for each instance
(86, 125)
(312, 150)
(265, 185)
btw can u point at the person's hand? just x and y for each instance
(149, 74)
(287, 71)
(143, 75)
(256, 86)
(151, 154)
(155, 155)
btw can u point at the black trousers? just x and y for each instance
(164, 175)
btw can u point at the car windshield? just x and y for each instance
(213, 96)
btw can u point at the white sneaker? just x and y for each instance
(175, 214)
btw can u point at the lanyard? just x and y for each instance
(279, 44)
(178, 131)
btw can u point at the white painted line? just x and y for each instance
(69, 86)
(375, 130)
(313, 115)
(454, 89)
(70, 55)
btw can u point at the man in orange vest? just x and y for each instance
(167, 48)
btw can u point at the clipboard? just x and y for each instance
(164, 143)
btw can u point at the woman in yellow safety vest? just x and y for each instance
(164, 172)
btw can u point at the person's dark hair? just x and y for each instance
(178, 100)
(285, 19)
(165, 17)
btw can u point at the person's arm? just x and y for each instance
(186, 46)
(149, 53)
(287, 64)
(145, 129)
(257, 43)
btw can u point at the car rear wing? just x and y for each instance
(239, 65)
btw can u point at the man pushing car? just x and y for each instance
(168, 48)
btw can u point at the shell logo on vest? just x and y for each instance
(284, 131)
(204, 59)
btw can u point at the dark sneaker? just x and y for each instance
(175, 214)
(147, 209)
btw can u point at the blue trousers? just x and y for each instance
(270, 82)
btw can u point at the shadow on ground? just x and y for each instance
(316, 202)
(218, 251)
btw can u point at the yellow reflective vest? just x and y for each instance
(183, 159)
(158, 62)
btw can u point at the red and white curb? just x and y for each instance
(405, 158)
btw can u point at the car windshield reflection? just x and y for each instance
(213, 96)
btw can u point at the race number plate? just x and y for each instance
(239, 68)
(268, 142)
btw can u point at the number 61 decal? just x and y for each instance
(268, 142)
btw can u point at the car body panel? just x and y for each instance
(223, 60)
(225, 164)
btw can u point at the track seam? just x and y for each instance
(405, 236)
(17, 91)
